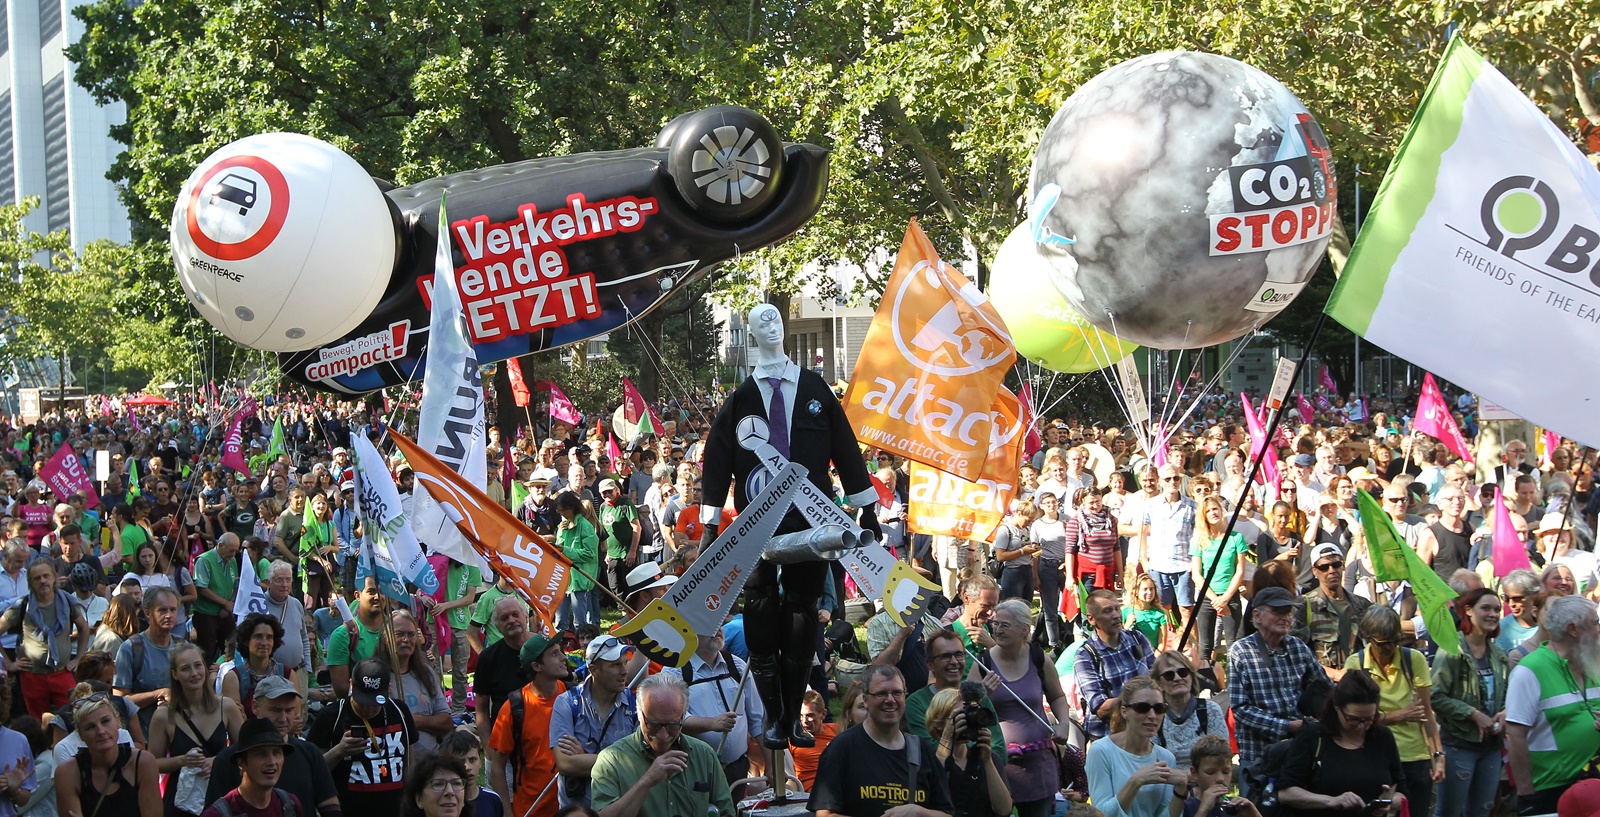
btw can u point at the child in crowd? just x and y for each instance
(1210, 778)
(464, 745)
(1141, 611)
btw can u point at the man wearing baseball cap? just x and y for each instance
(1267, 671)
(1330, 622)
(619, 532)
(519, 743)
(366, 739)
(305, 771)
(595, 714)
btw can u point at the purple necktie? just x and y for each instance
(777, 418)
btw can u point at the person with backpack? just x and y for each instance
(1020, 681)
(1109, 657)
(1189, 717)
(143, 667)
(259, 756)
(522, 767)
(717, 715)
(1406, 705)
(1269, 672)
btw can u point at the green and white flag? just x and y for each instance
(1484, 236)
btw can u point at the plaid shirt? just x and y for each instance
(1098, 681)
(1264, 689)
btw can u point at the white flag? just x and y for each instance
(450, 425)
(382, 519)
(249, 598)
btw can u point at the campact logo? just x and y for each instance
(1521, 215)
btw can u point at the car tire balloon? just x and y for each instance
(283, 242)
(726, 161)
(1182, 199)
(1044, 327)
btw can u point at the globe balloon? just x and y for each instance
(283, 242)
(1181, 199)
(1045, 328)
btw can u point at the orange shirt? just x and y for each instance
(805, 760)
(538, 761)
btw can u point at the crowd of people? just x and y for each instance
(1257, 667)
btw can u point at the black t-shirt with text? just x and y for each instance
(377, 774)
(856, 776)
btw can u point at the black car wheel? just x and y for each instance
(726, 161)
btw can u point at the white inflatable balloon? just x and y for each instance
(283, 242)
(1184, 199)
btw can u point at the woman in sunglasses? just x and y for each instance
(1129, 775)
(1189, 717)
(1032, 770)
(1345, 764)
(105, 778)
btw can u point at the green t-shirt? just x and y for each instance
(483, 612)
(460, 581)
(1562, 739)
(211, 573)
(1230, 561)
(132, 537)
(917, 718)
(339, 645)
(617, 522)
(291, 526)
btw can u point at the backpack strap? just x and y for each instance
(222, 808)
(913, 761)
(518, 707)
(287, 800)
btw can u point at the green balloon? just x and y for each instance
(1045, 328)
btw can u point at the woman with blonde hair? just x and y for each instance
(105, 778)
(1189, 717)
(1219, 603)
(1129, 775)
(191, 728)
(1014, 550)
(1142, 609)
(976, 786)
(853, 705)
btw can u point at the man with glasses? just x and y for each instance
(864, 772)
(1267, 672)
(1164, 536)
(1515, 455)
(947, 668)
(1550, 734)
(658, 770)
(1110, 655)
(597, 713)
(1330, 623)
(1446, 545)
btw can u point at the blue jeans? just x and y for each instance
(1470, 779)
(581, 605)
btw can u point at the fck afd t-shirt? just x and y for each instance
(376, 775)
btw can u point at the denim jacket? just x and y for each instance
(1457, 693)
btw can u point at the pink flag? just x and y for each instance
(561, 408)
(1268, 474)
(508, 472)
(1434, 420)
(1304, 406)
(1158, 438)
(1033, 442)
(615, 453)
(65, 475)
(1552, 441)
(1510, 550)
(233, 441)
(133, 417)
(1325, 379)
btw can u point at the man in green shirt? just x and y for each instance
(658, 769)
(1550, 736)
(481, 628)
(343, 651)
(216, 580)
(619, 532)
(947, 660)
(462, 583)
(979, 595)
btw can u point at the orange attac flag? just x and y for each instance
(931, 365)
(535, 566)
(947, 505)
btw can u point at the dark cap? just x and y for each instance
(369, 681)
(1274, 597)
(257, 733)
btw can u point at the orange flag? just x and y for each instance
(947, 505)
(519, 387)
(535, 566)
(931, 365)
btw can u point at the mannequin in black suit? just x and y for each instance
(781, 620)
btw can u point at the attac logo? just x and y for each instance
(238, 208)
(937, 343)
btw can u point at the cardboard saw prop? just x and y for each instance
(771, 443)
(284, 243)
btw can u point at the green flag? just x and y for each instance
(1394, 560)
(275, 448)
(518, 494)
(133, 480)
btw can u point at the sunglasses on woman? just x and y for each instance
(1177, 674)
(1144, 707)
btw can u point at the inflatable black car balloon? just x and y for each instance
(547, 252)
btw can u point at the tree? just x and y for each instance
(670, 350)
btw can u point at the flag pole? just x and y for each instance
(1255, 467)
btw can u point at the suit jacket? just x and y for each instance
(819, 433)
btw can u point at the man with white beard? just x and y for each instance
(1551, 731)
